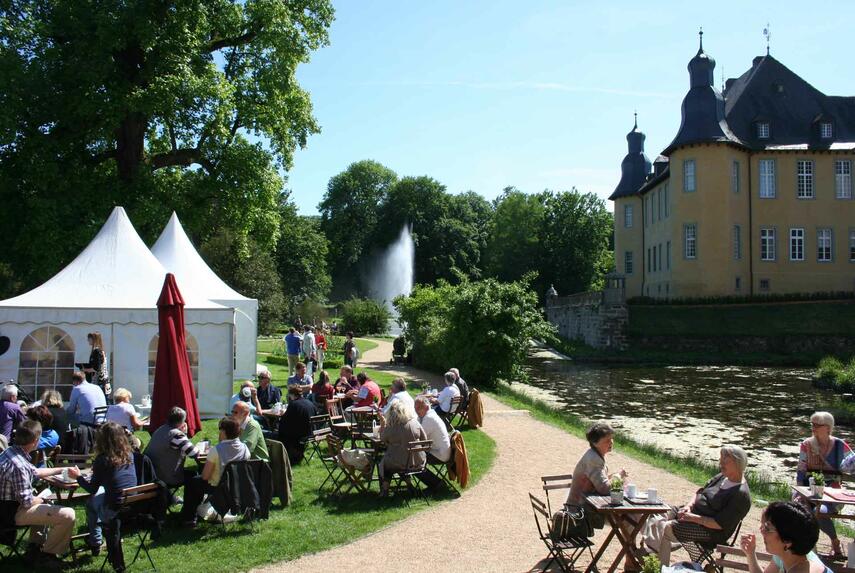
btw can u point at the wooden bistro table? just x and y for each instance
(618, 515)
(830, 495)
(59, 486)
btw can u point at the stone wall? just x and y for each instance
(600, 318)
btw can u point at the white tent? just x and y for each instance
(176, 253)
(112, 287)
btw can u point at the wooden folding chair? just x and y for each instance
(441, 469)
(409, 476)
(461, 414)
(704, 553)
(337, 422)
(341, 478)
(565, 552)
(362, 426)
(552, 483)
(130, 509)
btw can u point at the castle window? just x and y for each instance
(823, 245)
(659, 203)
(660, 256)
(764, 285)
(668, 256)
(655, 268)
(627, 216)
(767, 244)
(843, 179)
(763, 130)
(852, 246)
(734, 177)
(649, 259)
(666, 200)
(738, 284)
(797, 244)
(690, 241)
(805, 179)
(767, 178)
(689, 183)
(737, 243)
(825, 130)
(627, 262)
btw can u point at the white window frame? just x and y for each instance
(627, 216)
(768, 182)
(627, 262)
(826, 131)
(737, 242)
(797, 244)
(690, 176)
(843, 179)
(762, 130)
(690, 241)
(824, 245)
(734, 176)
(804, 179)
(767, 244)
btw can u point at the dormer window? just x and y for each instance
(763, 130)
(825, 130)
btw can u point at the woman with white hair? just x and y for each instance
(823, 453)
(398, 428)
(715, 512)
(122, 412)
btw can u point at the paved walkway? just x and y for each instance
(490, 527)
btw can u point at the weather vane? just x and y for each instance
(767, 32)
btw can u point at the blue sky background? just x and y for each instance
(536, 94)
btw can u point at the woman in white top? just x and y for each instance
(122, 412)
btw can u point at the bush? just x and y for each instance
(364, 316)
(834, 375)
(829, 367)
(481, 327)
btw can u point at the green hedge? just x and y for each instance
(329, 364)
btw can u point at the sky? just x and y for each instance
(485, 94)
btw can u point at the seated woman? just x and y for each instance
(122, 412)
(716, 510)
(591, 475)
(112, 471)
(53, 400)
(322, 390)
(823, 453)
(229, 449)
(398, 428)
(49, 439)
(789, 532)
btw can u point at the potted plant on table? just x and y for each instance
(817, 484)
(617, 490)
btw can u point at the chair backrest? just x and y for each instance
(136, 494)
(363, 421)
(541, 516)
(53, 454)
(334, 410)
(319, 422)
(79, 460)
(322, 434)
(335, 444)
(413, 449)
(100, 414)
(735, 558)
(455, 403)
(37, 457)
(553, 482)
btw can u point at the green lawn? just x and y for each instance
(312, 523)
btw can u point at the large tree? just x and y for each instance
(514, 246)
(150, 104)
(301, 258)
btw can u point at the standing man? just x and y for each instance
(16, 485)
(85, 397)
(10, 413)
(349, 350)
(293, 342)
(250, 432)
(310, 349)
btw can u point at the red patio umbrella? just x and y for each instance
(173, 380)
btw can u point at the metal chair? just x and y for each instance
(551, 483)
(336, 414)
(11, 535)
(565, 552)
(409, 476)
(341, 478)
(704, 553)
(461, 414)
(131, 509)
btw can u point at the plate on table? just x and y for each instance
(640, 499)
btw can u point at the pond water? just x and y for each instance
(692, 410)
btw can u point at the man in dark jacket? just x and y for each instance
(295, 425)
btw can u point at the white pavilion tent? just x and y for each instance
(112, 287)
(176, 253)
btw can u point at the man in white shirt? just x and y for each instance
(445, 398)
(85, 397)
(440, 446)
(398, 392)
(310, 349)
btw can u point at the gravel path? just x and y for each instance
(490, 527)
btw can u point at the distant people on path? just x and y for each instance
(229, 449)
(716, 510)
(169, 447)
(350, 351)
(16, 485)
(398, 391)
(249, 395)
(310, 349)
(293, 345)
(85, 397)
(267, 393)
(295, 425)
(823, 453)
(790, 531)
(53, 400)
(10, 413)
(250, 432)
(321, 342)
(122, 411)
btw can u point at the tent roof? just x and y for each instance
(176, 253)
(116, 271)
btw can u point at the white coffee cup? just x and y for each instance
(65, 474)
(652, 495)
(631, 490)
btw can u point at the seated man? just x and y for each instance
(169, 447)
(368, 393)
(398, 392)
(249, 395)
(301, 379)
(440, 447)
(16, 479)
(10, 413)
(85, 397)
(250, 432)
(443, 401)
(294, 425)
(462, 386)
(267, 393)
(229, 449)
(716, 510)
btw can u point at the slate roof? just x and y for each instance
(635, 166)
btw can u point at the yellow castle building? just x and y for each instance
(753, 196)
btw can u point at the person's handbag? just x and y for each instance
(569, 522)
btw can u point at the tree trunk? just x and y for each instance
(130, 145)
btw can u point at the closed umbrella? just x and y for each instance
(173, 380)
